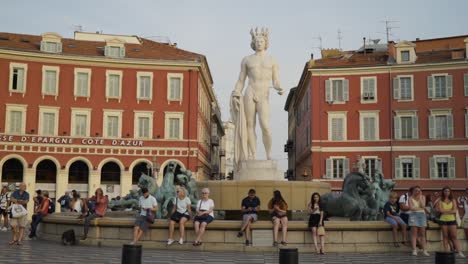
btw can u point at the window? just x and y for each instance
(82, 82)
(143, 124)
(51, 47)
(114, 51)
(174, 125)
(440, 124)
(406, 125)
(145, 85)
(112, 126)
(405, 56)
(403, 88)
(407, 168)
(439, 86)
(369, 125)
(50, 80)
(80, 122)
(337, 90)
(465, 83)
(15, 121)
(114, 84)
(18, 75)
(337, 167)
(466, 122)
(336, 126)
(442, 167)
(368, 90)
(175, 87)
(48, 120)
(372, 164)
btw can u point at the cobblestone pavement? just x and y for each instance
(38, 251)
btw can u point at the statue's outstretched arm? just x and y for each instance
(241, 81)
(276, 80)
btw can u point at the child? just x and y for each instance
(391, 217)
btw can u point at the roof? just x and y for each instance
(289, 99)
(148, 49)
(352, 59)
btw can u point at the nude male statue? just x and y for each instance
(262, 70)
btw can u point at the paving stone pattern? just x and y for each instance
(38, 251)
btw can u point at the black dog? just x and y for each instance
(68, 237)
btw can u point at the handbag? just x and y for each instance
(458, 219)
(149, 216)
(17, 211)
(203, 216)
(321, 231)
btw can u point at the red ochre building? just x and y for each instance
(98, 110)
(402, 107)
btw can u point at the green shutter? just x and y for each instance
(328, 93)
(415, 131)
(59, 47)
(20, 79)
(379, 165)
(466, 164)
(398, 168)
(430, 86)
(396, 88)
(466, 125)
(122, 52)
(432, 168)
(448, 82)
(431, 127)
(452, 168)
(329, 169)
(43, 46)
(465, 83)
(450, 126)
(346, 90)
(106, 51)
(397, 127)
(416, 170)
(345, 167)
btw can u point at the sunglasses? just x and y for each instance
(205, 193)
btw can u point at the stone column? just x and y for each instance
(60, 187)
(94, 182)
(125, 183)
(30, 179)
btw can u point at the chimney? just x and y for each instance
(364, 40)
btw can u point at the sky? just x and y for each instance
(219, 29)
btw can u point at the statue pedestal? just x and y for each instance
(259, 170)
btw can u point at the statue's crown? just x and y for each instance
(263, 32)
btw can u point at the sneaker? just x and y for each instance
(247, 242)
(239, 234)
(170, 241)
(414, 253)
(4, 229)
(131, 243)
(275, 244)
(181, 241)
(425, 253)
(460, 254)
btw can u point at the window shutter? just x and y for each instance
(106, 51)
(416, 170)
(397, 127)
(43, 46)
(415, 130)
(379, 165)
(20, 80)
(466, 125)
(328, 97)
(466, 164)
(122, 52)
(465, 83)
(432, 168)
(448, 82)
(59, 47)
(450, 126)
(346, 90)
(345, 167)
(430, 86)
(452, 168)
(329, 169)
(396, 88)
(431, 126)
(397, 168)
(372, 88)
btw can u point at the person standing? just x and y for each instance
(204, 215)
(447, 207)
(278, 209)
(181, 212)
(147, 203)
(21, 197)
(4, 205)
(465, 215)
(315, 221)
(99, 202)
(250, 207)
(64, 202)
(417, 220)
(41, 211)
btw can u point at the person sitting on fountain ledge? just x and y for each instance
(181, 212)
(147, 202)
(391, 212)
(278, 209)
(96, 207)
(249, 208)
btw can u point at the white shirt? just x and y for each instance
(206, 205)
(404, 199)
(77, 205)
(3, 200)
(465, 206)
(147, 203)
(182, 205)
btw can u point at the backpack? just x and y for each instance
(68, 237)
(51, 207)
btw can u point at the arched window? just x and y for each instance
(141, 167)
(110, 173)
(12, 171)
(78, 172)
(46, 172)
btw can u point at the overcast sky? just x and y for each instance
(220, 30)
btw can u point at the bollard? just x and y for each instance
(444, 258)
(131, 254)
(288, 256)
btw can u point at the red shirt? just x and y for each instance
(101, 206)
(44, 206)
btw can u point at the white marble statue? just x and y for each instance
(262, 71)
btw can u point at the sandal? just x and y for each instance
(275, 244)
(284, 243)
(197, 243)
(18, 243)
(12, 242)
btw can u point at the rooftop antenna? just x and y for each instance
(78, 28)
(340, 37)
(389, 27)
(320, 47)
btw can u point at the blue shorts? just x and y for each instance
(394, 222)
(206, 220)
(254, 217)
(417, 219)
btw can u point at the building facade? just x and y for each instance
(400, 108)
(98, 110)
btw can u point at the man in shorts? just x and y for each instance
(147, 202)
(250, 207)
(20, 196)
